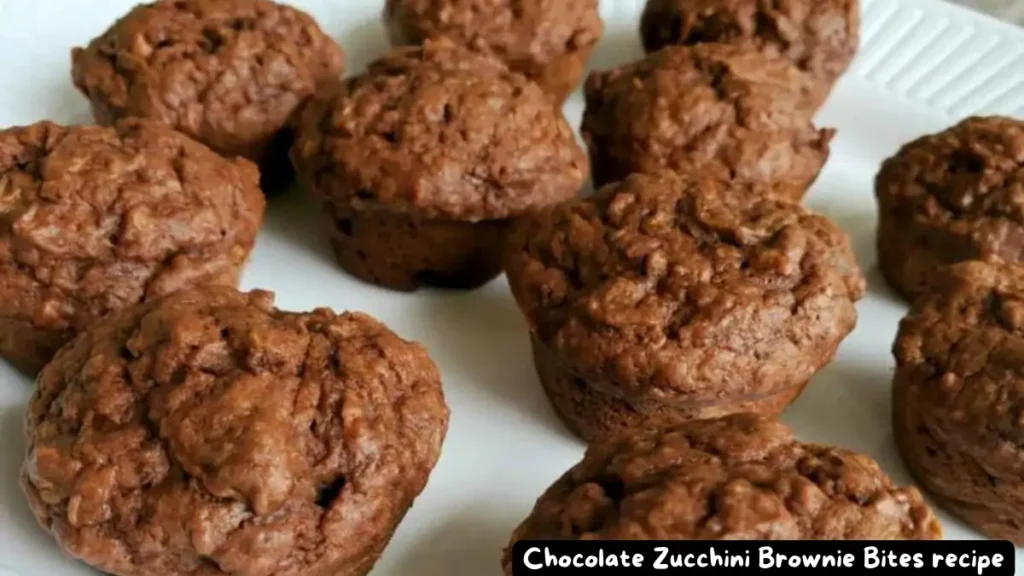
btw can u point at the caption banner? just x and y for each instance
(565, 558)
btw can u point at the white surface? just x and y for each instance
(923, 65)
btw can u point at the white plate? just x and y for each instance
(922, 65)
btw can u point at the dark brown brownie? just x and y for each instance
(96, 219)
(957, 394)
(663, 299)
(208, 433)
(741, 477)
(951, 197)
(714, 107)
(548, 41)
(229, 73)
(423, 161)
(819, 36)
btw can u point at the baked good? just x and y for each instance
(741, 477)
(819, 36)
(229, 73)
(423, 160)
(713, 107)
(548, 41)
(951, 197)
(95, 219)
(957, 394)
(663, 299)
(208, 433)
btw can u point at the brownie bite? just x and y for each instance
(229, 73)
(96, 219)
(663, 299)
(208, 433)
(950, 197)
(958, 392)
(423, 161)
(818, 36)
(741, 477)
(548, 41)
(716, 108)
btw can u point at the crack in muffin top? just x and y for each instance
(229, 73)
(715, 107)
(183, 436)
(737, 478)
(673, 286)
(441, 131)
(95, 219)
(536, 31)
(961, 350)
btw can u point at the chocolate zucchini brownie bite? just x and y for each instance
(209, 433)
(229, 73)
(424, 160)
(726, 109)
(958, 393)
(95, 219)
(548, 41)
(741, 477)
(951, 197)
(663, 299)
(818, 36)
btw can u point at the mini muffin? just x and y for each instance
(714, 107)
(950, 197)
(95, 219)
(819, 36)
(663, 299)
(229, 73)
(424, 160)
(548, 41)
(741, 477)
(209, 433)
(958, 395)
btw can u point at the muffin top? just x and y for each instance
(729, 109)
(961, 352)
(737, 478)
(441, 131)
(516, 32)
(229, 73)
(95, 219)
(178, 436)
(966, 183)
(683, 287)
(819, 36)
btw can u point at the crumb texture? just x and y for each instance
(229, 73)
(736, 478)
(96, 219)
(686, 289)
(209, 433)
(442, 132)
(714, 107)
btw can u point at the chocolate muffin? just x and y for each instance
(663, 299)
(209, 433)
(424, 160)
(95, 219)
(957, 394)
(714, 107)
(951, 197)
(548, 41)
(819, 36)
(741, 477)
(229, 73)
